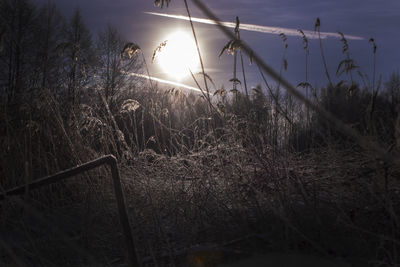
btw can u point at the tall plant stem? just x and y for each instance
(237, 33)
(373, 74)
(307, 107)
(323, 58)
(199, 53)
(234, 73)
(244, 75)
(147, 70)
(351, 71)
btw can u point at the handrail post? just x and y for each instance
(122, 211)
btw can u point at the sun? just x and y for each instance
(179, 55)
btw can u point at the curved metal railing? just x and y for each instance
(119, 195)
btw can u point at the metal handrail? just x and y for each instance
(119, 195)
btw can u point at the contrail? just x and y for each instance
(260, 28)
(181, 85)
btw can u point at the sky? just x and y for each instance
(359, 18)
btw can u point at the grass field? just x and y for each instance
(229, 177)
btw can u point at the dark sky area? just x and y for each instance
(363, 18)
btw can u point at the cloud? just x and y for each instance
(180, 85)
(260, 28)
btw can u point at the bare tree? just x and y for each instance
(114, 67)
(47, 59)
(17, 22)
(78, 56)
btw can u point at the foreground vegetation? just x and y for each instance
(207, 179)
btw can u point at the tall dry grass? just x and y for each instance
(208, 178)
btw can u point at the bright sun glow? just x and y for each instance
(179, 55)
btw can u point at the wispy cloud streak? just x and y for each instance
(180, 85)
(260, 28)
